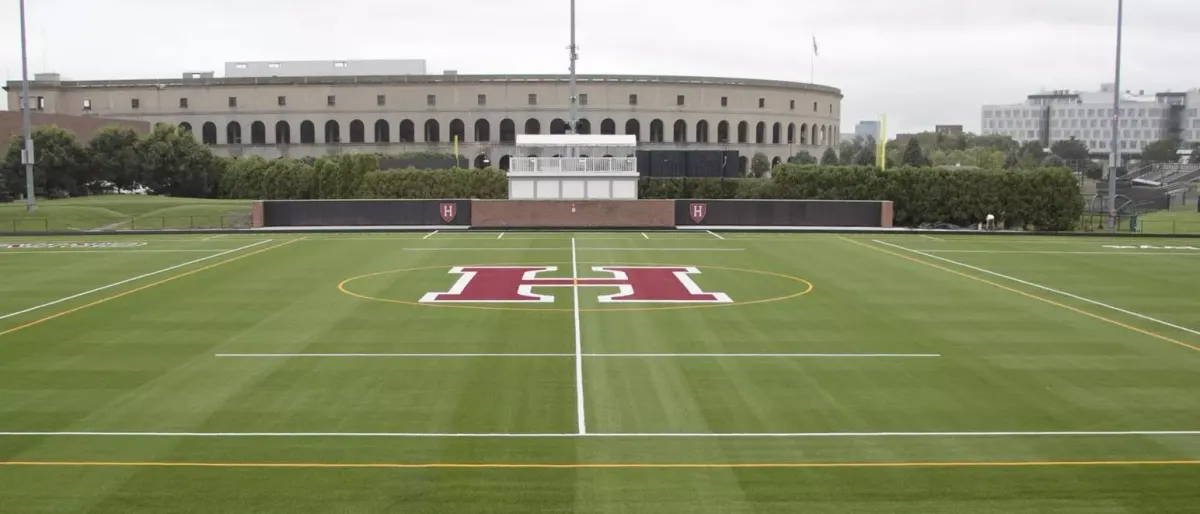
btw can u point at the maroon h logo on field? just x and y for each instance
(634, 284)
(698, 211)
(448, 211)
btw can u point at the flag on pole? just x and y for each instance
(816, 49)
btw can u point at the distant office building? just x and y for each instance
(949, 130)
(1060, 115)
(866, 129)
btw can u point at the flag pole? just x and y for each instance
(812, 62)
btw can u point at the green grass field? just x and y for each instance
(1184, 220)
(866, 374)
(124, 212)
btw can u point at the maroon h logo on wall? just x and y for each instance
(698, 210)
(634, 284)
(448, 211)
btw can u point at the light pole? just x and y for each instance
(27, 155)
(1114, 151)
(573, 107)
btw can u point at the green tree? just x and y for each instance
(913, 156)
(802, 157)
(1053, 160)
(759, 165)
(60, 164)
(995, 142)
(865, 156)
(113, 156)
(829, 158)
(848, 149)
(1163, 150)
(173, 163)
(1070, 150)
(1031, 154)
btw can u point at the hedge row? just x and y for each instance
(1042, 199)
(353, 176)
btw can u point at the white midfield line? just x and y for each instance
(128, 280)
(718, 236)
(484, 435)
(429, 234)
(580, 415)
(1044, 288)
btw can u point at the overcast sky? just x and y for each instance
(922, 62)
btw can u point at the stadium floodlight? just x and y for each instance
(27, 155)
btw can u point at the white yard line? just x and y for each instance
(429, 234)
(1044, 288)
(581, 416)
(645, 236)
(501, 236)
(933, 238)
(210, 238)
(585, 355)
(132, 279)
(681, 435)
(718, 236)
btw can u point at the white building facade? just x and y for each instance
(1054, 116)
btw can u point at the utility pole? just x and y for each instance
(27, 155)
(1114, 150)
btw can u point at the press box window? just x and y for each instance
(133, 104)
(532, 99)
(331, 100)
(481, 99)
(430, 100)
(380, 99)
(679, 100)
(282, 101)
(183, 103)
(762, 103)
(724, 101)
(633, 99)
(583, 99)
(233, 101)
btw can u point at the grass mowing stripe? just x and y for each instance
(1052, 252)
(616, 435)
(614, 465)
(621, 355)
(581, 413)
(1052, 290)
(147, 286)
(128, 280)
(40, 252)
(1025, 294)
